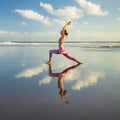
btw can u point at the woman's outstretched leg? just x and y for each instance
(71, 58)
(51, 54)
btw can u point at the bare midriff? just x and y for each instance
(60, 44)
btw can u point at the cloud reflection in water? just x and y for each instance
(91, 78)
(45, 80)
(79, 80)
(28, 73)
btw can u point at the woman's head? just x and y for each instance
(63, 92)
(66, 33)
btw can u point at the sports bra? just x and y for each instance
(60, 41)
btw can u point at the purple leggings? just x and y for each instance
(63, 52)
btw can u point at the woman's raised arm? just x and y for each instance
(64, 28)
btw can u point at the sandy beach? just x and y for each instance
(28, 92)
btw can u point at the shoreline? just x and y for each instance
(81, 44)
(57, 41)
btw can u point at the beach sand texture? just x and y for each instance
(27, 92)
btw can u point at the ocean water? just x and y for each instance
(30, 89)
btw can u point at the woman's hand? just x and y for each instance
(69, 23)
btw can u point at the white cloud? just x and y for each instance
(74, 75)
(45, 80)
(47, 7)
(29, 14)
(69, 12)
(17, 35)
(8, 33)
(91, 78)
(23, 24)
(58, 21)
(91, 8)
(32, 71)
(94, 35)
(52, 36)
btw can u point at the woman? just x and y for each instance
(61, 49)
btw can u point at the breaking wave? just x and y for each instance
(82, 44)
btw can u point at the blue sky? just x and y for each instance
(41, 20)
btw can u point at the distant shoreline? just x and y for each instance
(82, 44)
(57, 41)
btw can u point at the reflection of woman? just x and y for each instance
(61, 49)
(60, 77)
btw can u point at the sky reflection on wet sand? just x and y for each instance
(28, 92)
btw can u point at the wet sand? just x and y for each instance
(29, 92)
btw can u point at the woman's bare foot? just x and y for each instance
(48, 62)
(78, 62)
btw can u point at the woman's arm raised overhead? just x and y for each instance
(64, 28)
